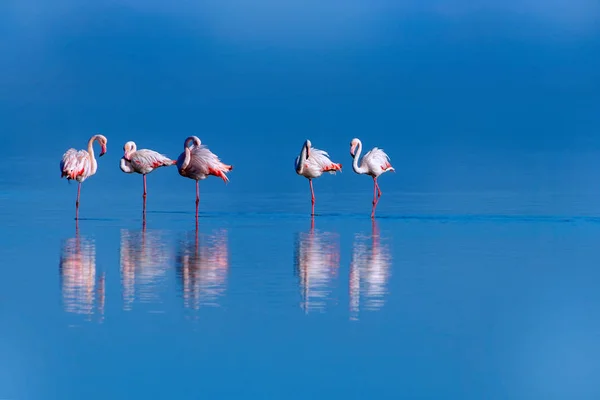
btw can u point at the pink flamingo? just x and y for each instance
(374, 163)
(197, 162)
(80, 165)
(312, 163)
(142, 161)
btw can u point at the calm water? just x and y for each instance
(479, 279)
(261, 302)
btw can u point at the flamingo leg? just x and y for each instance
(144, 186)
(77, 201)
(144, 213)
(312, 197)
(197, 199)
(375, 197)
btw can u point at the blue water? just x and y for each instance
(478, 280)
(260, 301)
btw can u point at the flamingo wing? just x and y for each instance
(69, 154)
(377, 160)
(75, 163)
(149, 159)
(204, 159)
(320, 160)
(206, 162)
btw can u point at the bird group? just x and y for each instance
(312, 163)
(197, 162)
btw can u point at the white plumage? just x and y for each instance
(143, 162)
(197, 162)
(316, 164)
(80, 165)
(312, 163)
(374, 163)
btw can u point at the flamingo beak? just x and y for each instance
(352, 149)
(103, 151)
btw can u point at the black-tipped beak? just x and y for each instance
(103, 152)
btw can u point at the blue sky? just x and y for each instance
(442, 86)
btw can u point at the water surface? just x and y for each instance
(258, 302)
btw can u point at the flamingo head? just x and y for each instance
(102, 140)
(308, 145)
(129, 148)
(353, 145)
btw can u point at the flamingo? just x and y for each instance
(142, 161)
(312, 163)
(374, 163)
(80, 165)
(197, 162)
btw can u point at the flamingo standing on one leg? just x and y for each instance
(143, 162)
(374, 163)
(197, 162)
(80, 165)
(312, 163)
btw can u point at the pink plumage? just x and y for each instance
(197, 162)
(312, 163)
(143, 162)
(374, 163)
(81, 164)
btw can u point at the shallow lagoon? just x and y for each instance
(260, 301)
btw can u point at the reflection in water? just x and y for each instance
(144, 262)
(316, 261)
(81, 292)
(202, 265)
(369, 272)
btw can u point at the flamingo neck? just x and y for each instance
(187, 159)
(91, 153)
(125, 165)
(195, 142)
(303, 158)
(355, 167)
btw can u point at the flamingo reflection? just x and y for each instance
(369, 273)
(316, 262)
(202, 265)
(145, 258)
(82, 292)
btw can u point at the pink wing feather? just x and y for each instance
(204, 162)
(377, 160)
(75, 164)
(149, 159)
